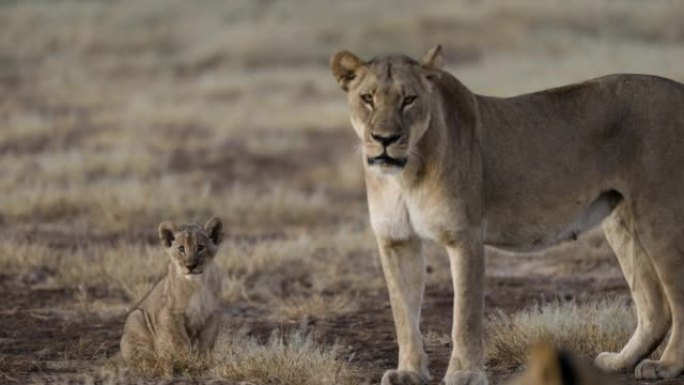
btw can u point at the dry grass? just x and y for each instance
(181, 363)
(292, 277)
(314, 306)
(130, 268)
(587, 329)
(302, 276)
(295, 358)
(284, 358)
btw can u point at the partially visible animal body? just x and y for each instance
(180, 315)
(547, 365)
(520, 173)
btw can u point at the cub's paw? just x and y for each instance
(612, 362)
(656, 370)
(403, 377)
(465, 377)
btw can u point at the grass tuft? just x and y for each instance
(294, 358)
(586, 329)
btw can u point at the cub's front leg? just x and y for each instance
(174, 342)
(466, 366)
(207, 337)
(404, 267)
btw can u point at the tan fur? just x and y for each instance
(520, 173)
(180, 314)
(549, 366)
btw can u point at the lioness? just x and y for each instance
(180, 313)
(520, 173)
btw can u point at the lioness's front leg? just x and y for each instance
(466, 365)
(404, 268)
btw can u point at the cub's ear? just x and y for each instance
(545, 364)
(215, 229)
(344, 66)
(167, 230)
(552, 366)
(433, 59)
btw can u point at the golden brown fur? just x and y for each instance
(549, 366)
(520, 173)
(180, 314)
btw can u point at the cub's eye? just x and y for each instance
(408, 100)
(181, 249)
(200, 247)
(368, 99)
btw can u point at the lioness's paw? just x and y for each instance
(655, 370)
(465, 377)
(402, 377)
(612, 362)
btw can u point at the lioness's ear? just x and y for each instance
(215, 229)
(344, 65)
(433, 59)
(166, 231)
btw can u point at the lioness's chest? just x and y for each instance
(398, 214)
(432, 217)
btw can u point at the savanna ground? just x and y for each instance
(115, 115)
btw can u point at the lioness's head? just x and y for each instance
(191, 246)
(390, 103)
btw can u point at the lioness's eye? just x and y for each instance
(408, 100)
(200, 247)
(368, 99)
(181, 249)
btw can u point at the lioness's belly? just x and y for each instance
(508, 232)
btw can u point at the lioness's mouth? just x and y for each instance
(386, 160)
(195, 270)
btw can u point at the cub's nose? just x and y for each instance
(385, 140)
(191, 265)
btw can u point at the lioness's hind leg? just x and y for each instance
(653, 318)
(665, 246)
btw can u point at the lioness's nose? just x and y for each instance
(385, 140)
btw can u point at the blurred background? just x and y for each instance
(115, 115)
(108, 103)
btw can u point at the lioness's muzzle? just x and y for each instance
(386, 160)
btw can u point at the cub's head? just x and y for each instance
(390, 101)
(191, 246)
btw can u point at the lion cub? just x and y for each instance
(180, 313)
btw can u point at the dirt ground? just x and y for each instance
(116, 115)
(41, 338)
(51, 335)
